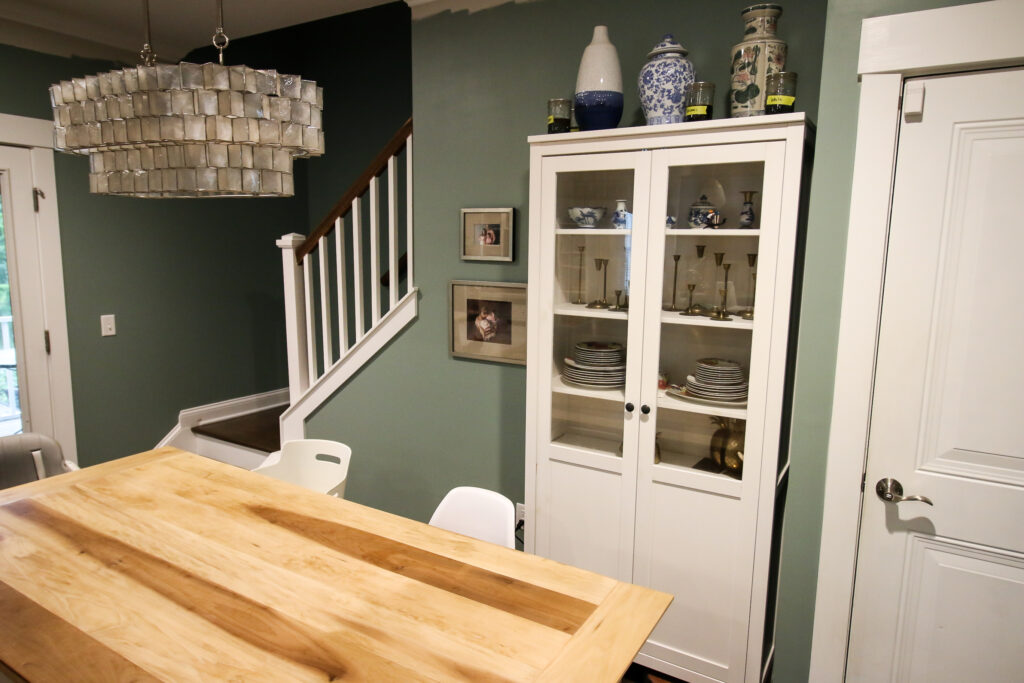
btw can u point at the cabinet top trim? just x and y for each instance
(641, 132)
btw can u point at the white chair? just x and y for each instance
(29, 457)
(315, 464)
(480, 513)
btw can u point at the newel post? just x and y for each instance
(294, 316)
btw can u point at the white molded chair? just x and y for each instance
(316, 464)
(29, 457)
(480, 513)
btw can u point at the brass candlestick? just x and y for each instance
(601, 264)
(719, 255)
(692, 308)
(618, 301)
(675, 281)
(748, 313)
(722, 313)
(579, 285)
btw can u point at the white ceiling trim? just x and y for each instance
(421, 9)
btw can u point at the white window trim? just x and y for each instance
(37, 135)
(892, 48)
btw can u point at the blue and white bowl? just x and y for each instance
(670, 222)
(586, 216)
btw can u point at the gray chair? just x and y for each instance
(28, 457)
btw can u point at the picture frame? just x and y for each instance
(486, 234)
(487, 321)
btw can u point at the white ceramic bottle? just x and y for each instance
(598, 98)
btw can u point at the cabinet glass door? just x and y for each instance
(594, 212)
(710, 274)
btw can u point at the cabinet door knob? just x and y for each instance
(645, 409)
(629, 407)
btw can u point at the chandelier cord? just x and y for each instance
(146, 55)
(220, 39)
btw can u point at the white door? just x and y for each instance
(35, 386)
(939, 592)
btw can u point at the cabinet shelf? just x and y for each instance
(681, 469)
(581, 311)
(560, 387)
(737, 323)
(666, 402)
(706, 232)
(593, 231)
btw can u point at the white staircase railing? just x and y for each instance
(335, 314)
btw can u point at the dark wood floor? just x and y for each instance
(260, 430)
(641, 674)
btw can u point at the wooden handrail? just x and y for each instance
(360, 186)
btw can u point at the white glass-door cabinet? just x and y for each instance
(656, 372)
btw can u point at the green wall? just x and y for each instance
(419, 421)
(819, 324)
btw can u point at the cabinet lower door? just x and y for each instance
(588, 360)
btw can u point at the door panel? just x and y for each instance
(938, 587)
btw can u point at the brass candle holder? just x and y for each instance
(748, 313)
(675, 283)
(692, 308)
(601, 264)
(720, 313)
(579, 283)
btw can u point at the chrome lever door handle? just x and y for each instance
(891, 491)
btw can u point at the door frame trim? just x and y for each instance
(891, 49)
(37, 135)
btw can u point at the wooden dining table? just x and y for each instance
(169, 566)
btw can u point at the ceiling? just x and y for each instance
(113, 29)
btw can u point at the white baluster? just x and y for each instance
(374, 250)
(326, 343)
(307, 285)
(392, 236)
(408, 214)
(339, 249)
(294, 317)
(357, 267)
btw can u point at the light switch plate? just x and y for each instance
(108, 328)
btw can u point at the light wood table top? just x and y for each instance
(168, 566)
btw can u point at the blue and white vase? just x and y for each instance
(747, 214)
(598, 100)
(663, 80)
(622, 218)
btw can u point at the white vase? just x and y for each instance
(598, 98)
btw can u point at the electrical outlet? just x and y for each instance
(520, 513)
(108, 328)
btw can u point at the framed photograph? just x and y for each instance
(488, 321)
(486, 235)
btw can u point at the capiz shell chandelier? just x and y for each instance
(189, 130)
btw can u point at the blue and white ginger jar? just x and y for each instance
(663, 82)
(598, 100)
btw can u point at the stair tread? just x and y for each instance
(260, 430)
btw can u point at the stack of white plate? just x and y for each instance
(717, 379)
(597, 365)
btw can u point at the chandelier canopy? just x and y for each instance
(189, 130)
